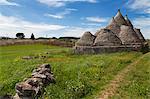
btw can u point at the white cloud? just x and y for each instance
(52, 3)
(72, 31)
(60, 3)
(144, 24)
(142, 21)
(6, 2)
(91, 24)
(54, 16)
(10, 25)
(77, 31)
(140, 5)
(147, 11)
(96, 19)
(60, 15)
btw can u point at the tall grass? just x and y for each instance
(137, 82)
(77, 76)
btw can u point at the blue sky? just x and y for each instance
(68, 17)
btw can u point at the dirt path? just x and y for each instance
(111, 89)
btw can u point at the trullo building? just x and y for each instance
(118, 35)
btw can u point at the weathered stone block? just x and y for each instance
(25, 89)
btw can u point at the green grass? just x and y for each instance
(14, 69)
(137, 83)
(77, 76)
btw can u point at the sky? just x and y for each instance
(56, 18)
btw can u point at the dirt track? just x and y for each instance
(111, 88)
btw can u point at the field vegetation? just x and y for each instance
(77, 76)
(137, 82)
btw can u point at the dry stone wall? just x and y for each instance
(105, 49)
(33, 87)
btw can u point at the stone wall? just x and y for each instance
(33, 87)
(105, 49)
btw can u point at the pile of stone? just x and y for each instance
(33, 87)
(118, 35)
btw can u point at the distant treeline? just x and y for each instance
(5, 38)
(75, 38)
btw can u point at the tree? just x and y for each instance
(54, 38)
(32, 36)
(20, 35)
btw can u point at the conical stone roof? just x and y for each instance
(128, 35)
(107, 38)
(112, 21)
(128, 21)
(113, 26)
(120, 19)
(86, 40)
(97, 32)
(138, 32)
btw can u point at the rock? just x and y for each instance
(34, 81)
(42, 76)
(45, 66)
(46, 78)
(36, 70)
(25, 89)
(39, 90)
(33, 87)
(21, 97)
(6, 97)
(41, 71)
(44, 70)
(50, 78)
(27, 57)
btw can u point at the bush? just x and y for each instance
(20, 35)
(32, 36)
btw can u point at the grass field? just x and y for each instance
(136, 84)
(77, 76)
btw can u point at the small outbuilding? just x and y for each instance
(113, 26)
(107, 38)
(86, 40)
(128, 36)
